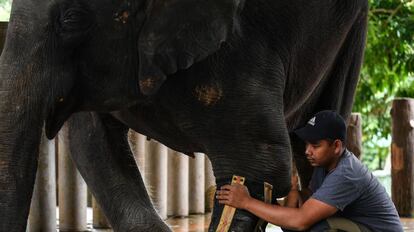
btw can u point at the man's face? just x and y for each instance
(322, 153)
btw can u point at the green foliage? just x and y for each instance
(388, 72)
(5, 6)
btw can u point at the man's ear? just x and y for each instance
(179, 33)
(339, 146)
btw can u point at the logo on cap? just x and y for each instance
(312, 121)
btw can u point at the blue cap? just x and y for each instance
(325, 124)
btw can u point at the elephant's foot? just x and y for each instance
(149, 225)
(138, 218)
(242, 220)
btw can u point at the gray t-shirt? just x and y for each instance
(356, 193)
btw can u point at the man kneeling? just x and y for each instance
(344, 195)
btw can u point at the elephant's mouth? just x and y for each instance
(59, 113)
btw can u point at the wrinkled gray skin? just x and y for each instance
(230, 78)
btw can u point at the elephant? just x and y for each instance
(229, 78)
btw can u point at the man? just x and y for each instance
(344, 194)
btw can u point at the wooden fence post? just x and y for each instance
(156, 165)
(402, 152)
(42, 215)
(3, 32)
(197, 179)
(137, 144)
(354, 135)
(210, 185)
(99, 220)
(177, 184)
(72, 189)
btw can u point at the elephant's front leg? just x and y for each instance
(99, 147)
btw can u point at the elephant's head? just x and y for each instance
(178, 33)
(65, 56)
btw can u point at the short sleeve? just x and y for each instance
(337, 190)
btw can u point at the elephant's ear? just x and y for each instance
(178, 33)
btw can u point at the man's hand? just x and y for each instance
(234, 195)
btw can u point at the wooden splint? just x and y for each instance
(228, 211)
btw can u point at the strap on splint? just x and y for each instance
(268, 189)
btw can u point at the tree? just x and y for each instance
(387, 72)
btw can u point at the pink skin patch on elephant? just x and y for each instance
(208, 95)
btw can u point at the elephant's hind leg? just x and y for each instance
(99, 147)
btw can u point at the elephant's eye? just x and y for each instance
(74, 23)
(75, 19)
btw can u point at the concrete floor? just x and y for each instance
(199, 223)
(193, 223)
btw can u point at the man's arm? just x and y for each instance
(301, 218)
(296, 197)
(293, 199)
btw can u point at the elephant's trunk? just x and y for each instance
(20, 129)
(22, 113)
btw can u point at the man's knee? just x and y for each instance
(321, 226)
(343, 224)
(336, 224)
